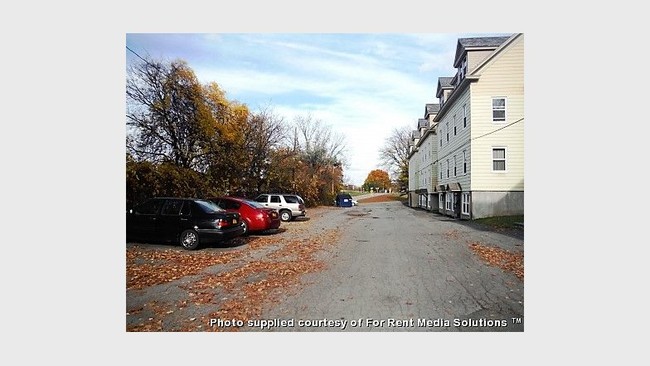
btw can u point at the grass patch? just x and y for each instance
(502, 222)
(384, 198)
(354, 193)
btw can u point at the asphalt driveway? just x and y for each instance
(374, 267)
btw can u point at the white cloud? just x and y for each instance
(362, 85)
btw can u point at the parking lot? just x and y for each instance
(373, 267)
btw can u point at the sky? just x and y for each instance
(361, 85)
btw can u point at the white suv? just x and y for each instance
(289, 206)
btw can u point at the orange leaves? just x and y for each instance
(147, 267)
(451, 234)
(378, 179)
(509, 261)
(379, 198)
(246, 279)
(260, 282)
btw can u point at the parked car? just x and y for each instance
(254, 216)
(343, 200)
(289, 206)
(189, 222)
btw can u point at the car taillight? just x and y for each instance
(221, 223)
(301, 206)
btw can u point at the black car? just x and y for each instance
(187, 221)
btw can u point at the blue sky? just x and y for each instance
(363, 85)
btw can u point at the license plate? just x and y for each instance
(234, 221)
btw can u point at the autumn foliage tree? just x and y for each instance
(377, 180)
(185, 138)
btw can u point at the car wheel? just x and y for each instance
(189, 239)
(285, 216)
(245, 225)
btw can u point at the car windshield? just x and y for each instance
(208, 206)
(254, 204)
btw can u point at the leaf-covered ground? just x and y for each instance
(170, 289)
(229, 284)
(508, 261)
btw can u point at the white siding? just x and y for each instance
(413, 171)
(433, 169)
(503, 76)
(428, 169)
(457, 143)
(474, 58)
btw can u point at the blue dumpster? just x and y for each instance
(343, 200)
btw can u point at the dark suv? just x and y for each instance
(187, 221)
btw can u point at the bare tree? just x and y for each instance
(167, 118)
(317, 141)
(264, 132)
(395, 152)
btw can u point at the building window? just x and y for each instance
(462, 71)
(454, 165)
(464, 161)
(447, 168)
(447, 131)
(440, 170)
(499, 159)
(440, 136)
(465, 203)
(441, 201)
(498, 109)
(464, 115)
(454, 125)
(463, 67)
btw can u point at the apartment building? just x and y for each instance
(480, 130)
(414, 170)
(422, 162)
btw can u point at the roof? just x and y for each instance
(431, 109)
(453, 187)
(470, 78)
(465, 44)
(423, 123)
(444, 83)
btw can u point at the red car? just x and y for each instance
(254, 216)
